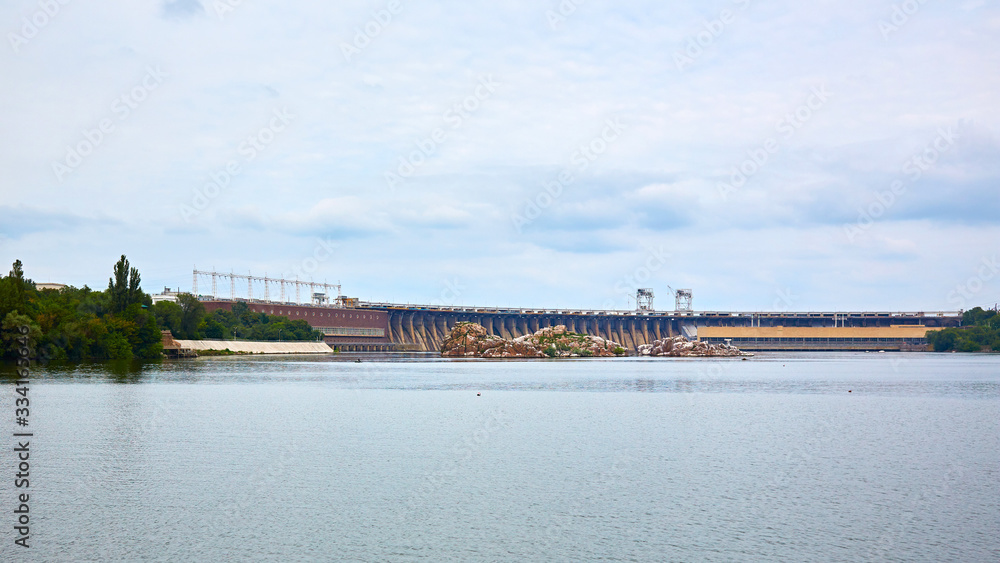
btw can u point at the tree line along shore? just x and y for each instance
(980, 332)
(121, 322)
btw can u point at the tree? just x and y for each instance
(91, 303)
(242, 311)
(168, 316)
(10, 333)
(13, 291)
(210, 327)
(192, 312)
(979, 317)
(150, 345)
(980, 331)
(942, 340)
(124, 288)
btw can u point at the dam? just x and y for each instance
(352, 325)
(425, 327)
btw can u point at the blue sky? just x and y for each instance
(767, 155)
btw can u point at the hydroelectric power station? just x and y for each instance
(351, 325)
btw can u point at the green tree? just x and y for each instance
(242, 312)
(14, 290)
(168, 316)
(980, 331)
(92, 303)
(121, 338)
(10, 333)
(192, 312)
(942, 340)
(210, 327)
(150, 345)
(124, 289)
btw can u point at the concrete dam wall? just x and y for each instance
(426, 330)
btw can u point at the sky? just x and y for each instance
(768, 155)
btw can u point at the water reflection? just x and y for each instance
(115, 371)
(127, 371)
(920, 374)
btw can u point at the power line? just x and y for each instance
(265, 281)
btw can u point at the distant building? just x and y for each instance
(167, 295)
(55, 286)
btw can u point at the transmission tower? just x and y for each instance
(682, 300)
(644, 299)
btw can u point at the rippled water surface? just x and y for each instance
(833, 457)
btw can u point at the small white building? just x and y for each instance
(48, 285)
(167, 295)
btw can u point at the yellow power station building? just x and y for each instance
(893, 337)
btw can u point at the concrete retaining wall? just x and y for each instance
(258, 347)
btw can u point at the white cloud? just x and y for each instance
(685, 130)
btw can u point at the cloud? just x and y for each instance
(684, 132)
(18, 221)
(182, 9)
(351, 217)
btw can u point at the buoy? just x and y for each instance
(479, 394)
(848, 390)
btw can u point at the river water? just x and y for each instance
(825, 457)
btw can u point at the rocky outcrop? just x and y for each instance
(677, 346)
(472, 340)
